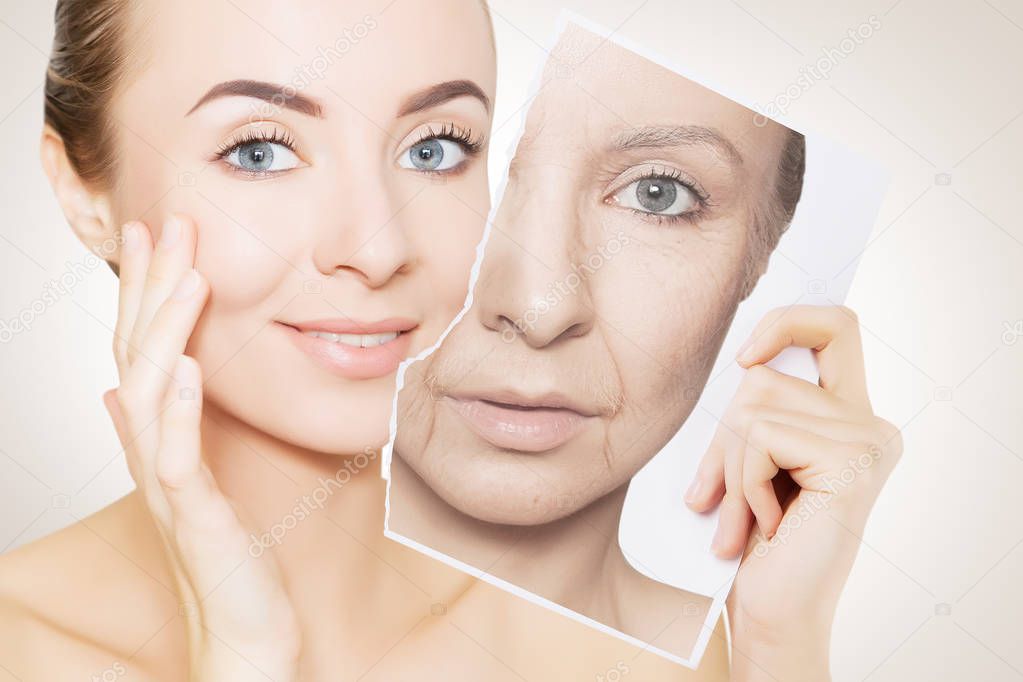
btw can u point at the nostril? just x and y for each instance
(506, 325)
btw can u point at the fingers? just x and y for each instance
(708, 485)
(201, 522)
(739, 469)
(165, 340)
(832, 331)
(761, 388)
(112, 404)
(134, 264)
(173, 256)
(735, 518)
(184, 479)
(773, 446)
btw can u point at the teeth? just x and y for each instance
(356, 340)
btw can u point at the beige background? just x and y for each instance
(934, 94)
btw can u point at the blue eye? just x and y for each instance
(262, 157)
(444, 151)
(434, 154)
(259, 153)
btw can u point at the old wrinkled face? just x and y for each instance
(334, 161)
(614, 268)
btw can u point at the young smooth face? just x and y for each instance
(618, 257)
(338, 221)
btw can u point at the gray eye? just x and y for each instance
(262, 157)
(656, 194)
(256, 156)
(434, 154)
(427, 155)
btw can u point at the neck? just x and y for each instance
(575, 562)
(538, 558)
(321, 516)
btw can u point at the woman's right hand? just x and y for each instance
(239, 619)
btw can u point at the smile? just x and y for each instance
(355, 340)
(354, 350)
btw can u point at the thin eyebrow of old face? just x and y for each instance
(645, 137)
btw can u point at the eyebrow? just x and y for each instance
(440, 93)
(676, 136)
(426, 98)
(268, 92)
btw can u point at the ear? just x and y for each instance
(87, 211)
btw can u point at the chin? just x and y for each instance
(346, 426)
(494, 490)
(342, 421)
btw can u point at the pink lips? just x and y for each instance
(349, 361)
(522, 425)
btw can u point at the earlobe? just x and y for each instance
(87, 212)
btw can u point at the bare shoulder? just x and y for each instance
(84, 602)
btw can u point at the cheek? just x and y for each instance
(669, 301)
(242, 264)
(445, 237)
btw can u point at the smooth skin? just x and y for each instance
(161, 298)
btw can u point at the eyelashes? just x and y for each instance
(473, 144)
(268, 137)
(659, 193)
(446, 152)
(436, 152)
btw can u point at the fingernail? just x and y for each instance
(130, 232)
(745, 354)
(694, 490)
(188, 284)
(171, 232)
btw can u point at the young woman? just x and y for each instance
(295, 198)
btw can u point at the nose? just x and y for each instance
(534, 279)
(371, 244)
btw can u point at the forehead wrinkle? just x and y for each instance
(646, 137)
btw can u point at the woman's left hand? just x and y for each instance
(807, 462)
